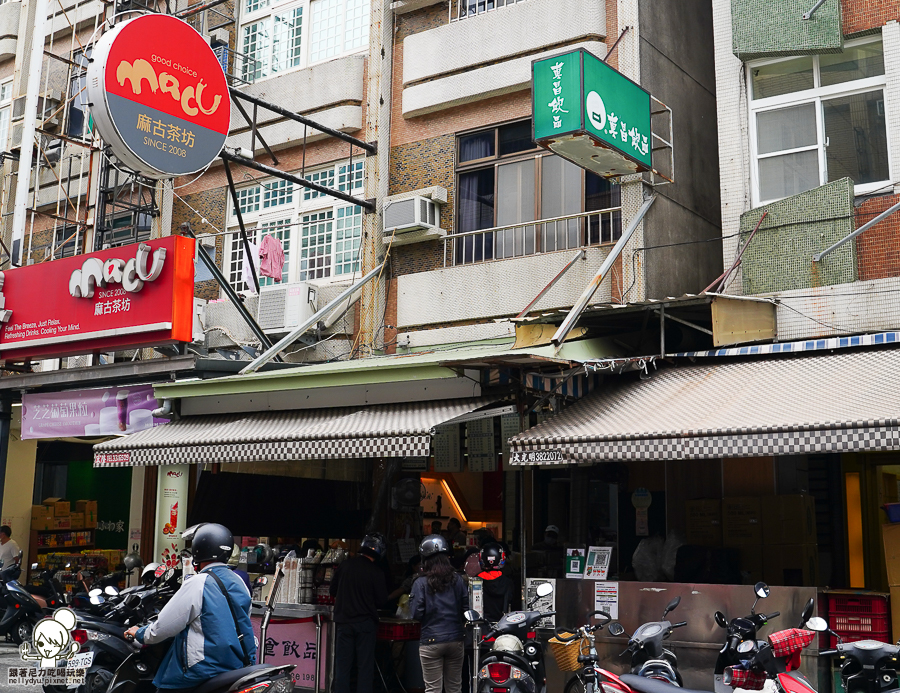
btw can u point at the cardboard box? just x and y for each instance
(41, 524)
(789, 519)
(40, 512)
(793, 565)
(60, 506)
(895, 610)
(741, 521)
(704, 522)
(62, 523)
(77, 520)
(890, 534)
(85, 506)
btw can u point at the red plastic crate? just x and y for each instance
(857, 604)
(408, 630)
(854, 624)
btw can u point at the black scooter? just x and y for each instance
(867, 666)
(22, 611)
(515, 663)
(650, 659)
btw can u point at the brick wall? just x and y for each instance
(211, 205)
(878, 252)
(860, 16)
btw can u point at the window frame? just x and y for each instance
(266, 11)
(816, 96)
(6, 106)
(292, 213)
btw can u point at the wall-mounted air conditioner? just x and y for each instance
(411, 214)
(283, 307)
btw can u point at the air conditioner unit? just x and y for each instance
(411, 214)
(284, 307)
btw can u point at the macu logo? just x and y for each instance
(131, 275)
(141, 70)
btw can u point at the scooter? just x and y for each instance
(650, 659)
(22, 611)
(515, 663)
(867, 666)
(50, 595)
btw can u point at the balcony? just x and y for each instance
(9, 28)
(499, 271)
(331, 93)
(490, 53)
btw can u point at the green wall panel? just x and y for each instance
(111, 488)
(771, 28)
(796, 228)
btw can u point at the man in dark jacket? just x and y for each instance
(359, 589)
(497, 589)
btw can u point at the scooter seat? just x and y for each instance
(223, 681)
(644, 685)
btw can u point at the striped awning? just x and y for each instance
(792, 405)
(389, 430)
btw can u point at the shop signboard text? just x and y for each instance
(92, 303)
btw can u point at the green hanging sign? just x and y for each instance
(587, 112)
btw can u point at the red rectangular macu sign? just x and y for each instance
(129, 297)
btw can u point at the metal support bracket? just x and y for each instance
(813, 9)
(695, 326)
(865, 227)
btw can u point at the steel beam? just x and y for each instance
(865, 227)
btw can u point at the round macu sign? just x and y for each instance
(158, 96)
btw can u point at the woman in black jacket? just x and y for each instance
(439, 597)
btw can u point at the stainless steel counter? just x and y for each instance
(296, 610)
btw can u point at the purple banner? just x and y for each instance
(101, 412)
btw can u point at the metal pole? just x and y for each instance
(318, 618)
(296, 180)
(865, 227)
(23, 177)
(289, 339)
(476, 646)
(371, 148)
(579, 255)
(591, 288)
(812, 11)
(248, 253)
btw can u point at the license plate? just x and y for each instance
(81, 661)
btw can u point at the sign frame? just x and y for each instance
(575, 124)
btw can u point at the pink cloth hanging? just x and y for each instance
(271, 258)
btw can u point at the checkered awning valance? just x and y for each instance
(390, 430)
(840, 402)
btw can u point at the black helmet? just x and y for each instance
(132, 561)
(432, 545)
(211, 542)
(492, 556)
(373, 545)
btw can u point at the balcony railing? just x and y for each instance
(462, 9)
(240, 69)
(533, 237)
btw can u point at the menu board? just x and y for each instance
(447, 456)
(480, 438)
(509, 426)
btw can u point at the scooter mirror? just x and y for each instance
(111, 591)
(807, 611)
(34, 566)
(720, 619)
(761, 589)
(544, 589)
(818, 624)
(132, 600)
(616, 628)
(672, 605)
(745, 647)
(471, 616)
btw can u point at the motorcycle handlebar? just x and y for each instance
(733, 642)
(681, 624)
(827, 653)
(774, 614)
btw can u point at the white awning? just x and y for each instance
(792, 405)
(390, 430)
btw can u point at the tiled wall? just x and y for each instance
(878, 249)
(859, 16)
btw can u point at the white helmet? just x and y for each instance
(508, 643)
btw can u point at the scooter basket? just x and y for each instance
(566, 653)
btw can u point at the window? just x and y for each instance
(79, 124)
(320, 235)
(280, 36)
(504, 180)
(816, 119)
(5, 109)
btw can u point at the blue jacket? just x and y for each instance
(441, 613)
(206, 642)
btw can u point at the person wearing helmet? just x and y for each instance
(497, 589)
(358, 588)
(439, 597)
(209, 617)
